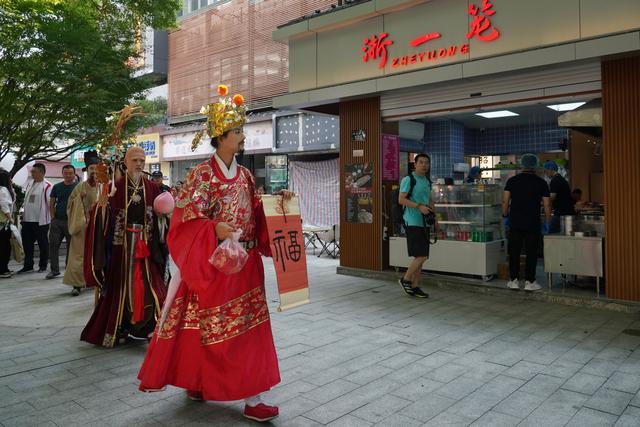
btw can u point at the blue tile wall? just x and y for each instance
(448, 141)
(445, 143)
(412, 146)
(533, 138)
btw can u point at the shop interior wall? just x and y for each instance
(361, 244)
(621, 134)
(586, 167)
(392, 128)
(448, 141)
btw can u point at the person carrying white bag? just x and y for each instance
(7, 200)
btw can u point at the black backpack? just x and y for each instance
(397, 210)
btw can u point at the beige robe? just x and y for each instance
(82, 198)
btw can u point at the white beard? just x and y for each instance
(135, 177)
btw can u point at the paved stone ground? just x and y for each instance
(361, 353)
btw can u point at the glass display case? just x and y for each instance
(470, 232)
(470, 213)
(276, 173)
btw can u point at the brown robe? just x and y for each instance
(81, 200)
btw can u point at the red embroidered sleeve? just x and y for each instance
(195, 196)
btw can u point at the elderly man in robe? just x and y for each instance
(132, 288)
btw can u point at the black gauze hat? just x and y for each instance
(90, 158)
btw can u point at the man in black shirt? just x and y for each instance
(561, 199)
(59, 223)
(521, 204)
(157, 178)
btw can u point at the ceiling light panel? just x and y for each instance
(497, 114)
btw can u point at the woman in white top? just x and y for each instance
(7, 198)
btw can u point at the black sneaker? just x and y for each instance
(75, 292)
(406, 287)
(43, 270)
(52, 275)
(25, 270)
(419, 293)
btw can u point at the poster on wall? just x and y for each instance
(359, 193)
(390, 157)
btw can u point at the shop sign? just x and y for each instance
(390, 157)
(150, 143)
(149, 147)
(77, 158)
(178, 147)
(375, 48)
(258, 136)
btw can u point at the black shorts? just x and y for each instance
(418, 241)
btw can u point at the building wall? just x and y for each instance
(231, 43)
(534, 138)
(361, 244)
(621, 136)
(532, 33)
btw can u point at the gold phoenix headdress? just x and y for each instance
(222, 116)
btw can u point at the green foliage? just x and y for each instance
(155, 112)
(64, 68)
(19, 192)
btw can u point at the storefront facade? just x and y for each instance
(404, 60)
(150, 143)
(305, 160)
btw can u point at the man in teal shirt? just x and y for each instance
(417, 204)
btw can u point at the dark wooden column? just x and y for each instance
(621, 140)
(361, 244)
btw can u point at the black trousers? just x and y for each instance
(5, 249)
(531, 241)
(59, 230)
(32, 233)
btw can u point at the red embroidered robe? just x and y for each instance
(108, 265)
(217, 337)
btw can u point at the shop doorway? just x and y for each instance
(471, 237)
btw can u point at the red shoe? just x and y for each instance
(194, 395)
(261, 412)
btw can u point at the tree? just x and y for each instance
(155, 112)
(64, 66)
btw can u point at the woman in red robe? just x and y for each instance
(216, 341)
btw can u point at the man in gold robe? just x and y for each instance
(81, 200)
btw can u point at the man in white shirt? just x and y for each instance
(36, 219)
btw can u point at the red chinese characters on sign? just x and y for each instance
(375, 47)
(426, 38)
(481, 23)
